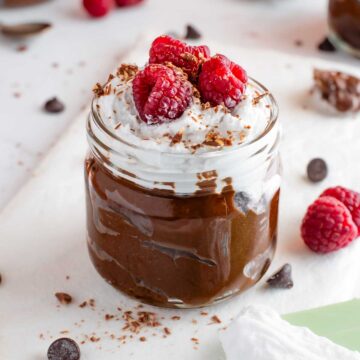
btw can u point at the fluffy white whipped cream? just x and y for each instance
(243, 124)
(259, 333)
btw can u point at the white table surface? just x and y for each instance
(86, 50)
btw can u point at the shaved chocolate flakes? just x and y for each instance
(98, 90)
(215, 319)
(257, 99)
(63, 298)
(127, 71)
(340, 90)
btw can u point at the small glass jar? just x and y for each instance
(344, 23)
(182, 230)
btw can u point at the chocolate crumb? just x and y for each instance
(175, 317)
(63, 349)
(192, 33)
(257, 99)
(204, 313)
(167, 331)
(21, 48)
(64, 298)
(282, 278)
(298, 43)
(94, 339)
(83, 304)
(109, 317)
(54, 106)
(92, 302)
(326, 45)
(17, 95)
(215, 319)
(0, 278)
(143, 338)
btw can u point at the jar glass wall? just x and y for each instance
(159, 240)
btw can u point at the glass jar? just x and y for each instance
(182, 230)
(344, 23)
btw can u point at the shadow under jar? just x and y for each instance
(344, 23)
(182, 230)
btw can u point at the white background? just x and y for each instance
(86, 50)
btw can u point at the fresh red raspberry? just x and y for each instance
(222, 82)
(350, 198)
(161, 93)
(189, 58)
(327, 225)
(123, 3)
(98, 8)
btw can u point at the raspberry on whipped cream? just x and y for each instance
(203, 128)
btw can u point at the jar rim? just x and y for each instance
(274, 114)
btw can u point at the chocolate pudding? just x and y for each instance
(344, 21)
(181, 212)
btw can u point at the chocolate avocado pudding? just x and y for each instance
(344, 21)
(182, 178)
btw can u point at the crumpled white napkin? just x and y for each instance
(259, 333)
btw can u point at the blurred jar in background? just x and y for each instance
(20, 2)
(344, 22)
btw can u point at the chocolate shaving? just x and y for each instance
(64, 298)
(98, 90)
(215, 319)
(326, 45)
(339, 89)
(127, 71)
(257, 99)
(177, 137)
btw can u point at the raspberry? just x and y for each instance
(161, 93)
(222, 82)
(189, 58)
(123, 3)
(327, 225)
(350, 198)
(98, 8)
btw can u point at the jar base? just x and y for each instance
(341, 45)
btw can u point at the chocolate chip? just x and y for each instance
(326, 45)
(282, 278)
(242, 200)
(64, 349)
(317, 170)
(54, 105)
(192, 33)
(63, 298)
(0, 278)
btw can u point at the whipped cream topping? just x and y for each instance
(196, 152)
(201, 128)
(259, 333)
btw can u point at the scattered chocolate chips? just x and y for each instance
(64, 349)
(326, 45)
(340, 90)
(192, 33)
(281, 279)
(64, 298)
(317, 170)
(54, 106)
